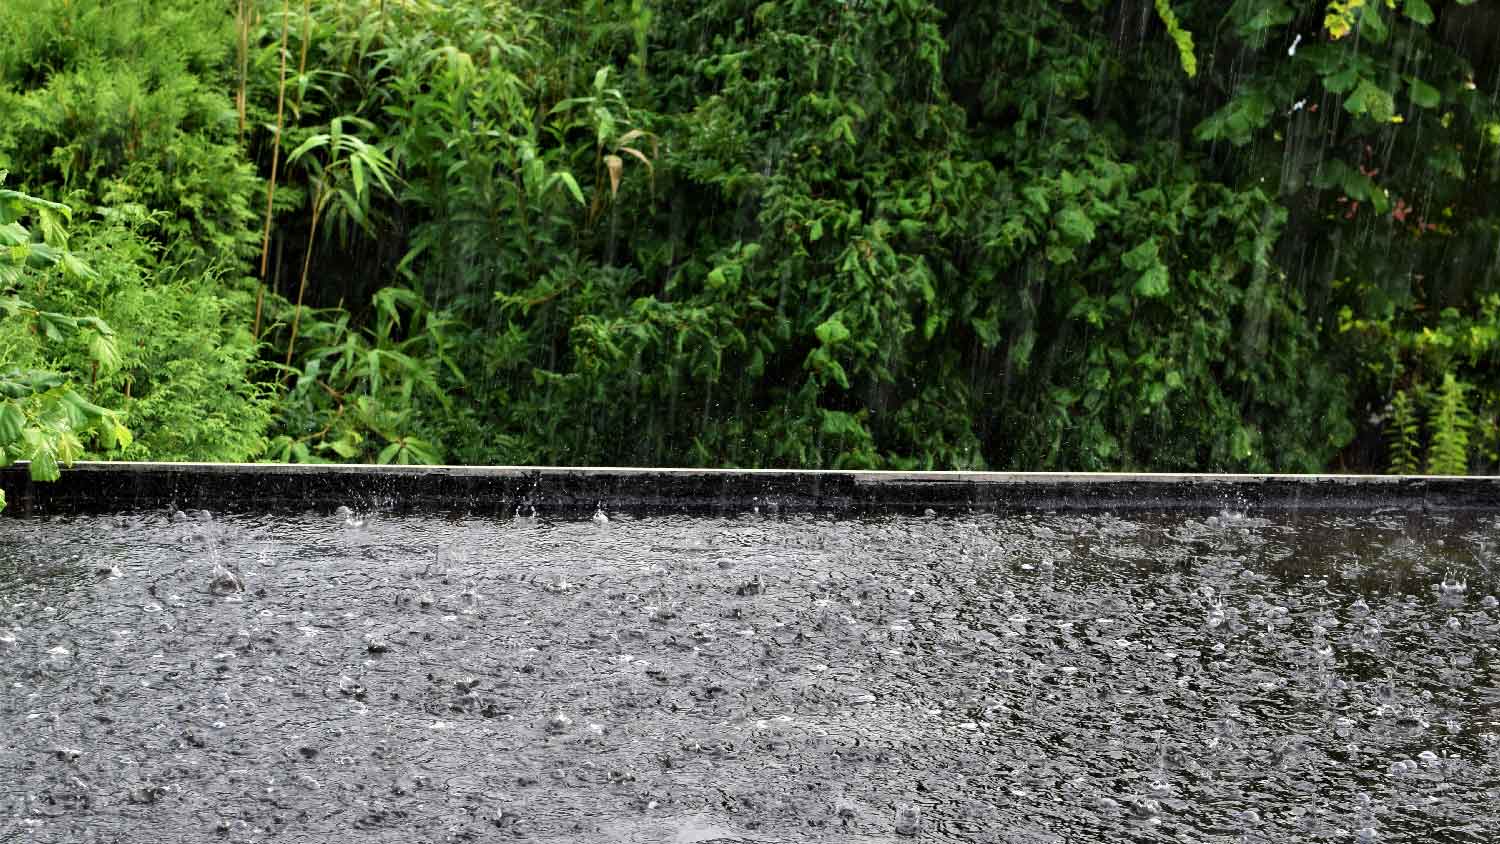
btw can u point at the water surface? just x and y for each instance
(1236, 678)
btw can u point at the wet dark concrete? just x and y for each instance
(1237, 678)
(107, 487)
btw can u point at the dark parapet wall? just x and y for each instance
(569, 492)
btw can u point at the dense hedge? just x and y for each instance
(874, 233)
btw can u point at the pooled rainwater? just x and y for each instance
(981, 678)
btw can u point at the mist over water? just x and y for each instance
(1234, 678)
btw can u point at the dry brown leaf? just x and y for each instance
(616, 165)
(637, 153)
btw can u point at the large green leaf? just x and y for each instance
(1370, 100)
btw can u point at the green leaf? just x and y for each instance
(52, 228)
(1181, 37)
(1075, 225)
(987, 330)
(1142, 257)
(42, 456)
(357, 170)
(838, 422)
(420, 451)
(572, 184)
(1238, 120)
(69, 448)
(1344, 80)
(76, 267)
(821, 362)
(831, 332)
(1418, 12)
(1371, 101)
(1424, 95)
(121, 436)
(86, 410)
(1372, 25)
(1240, 443)
(1153, 283)
(12, 420)
(106, 351)
(54, 324)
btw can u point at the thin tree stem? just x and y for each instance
(265, 240)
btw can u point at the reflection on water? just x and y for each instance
(1238, 678)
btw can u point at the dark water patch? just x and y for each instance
(1031, 678)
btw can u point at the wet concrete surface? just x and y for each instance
(323, 676)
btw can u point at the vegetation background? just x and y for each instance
(1016, 234)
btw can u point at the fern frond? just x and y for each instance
(1450, 420)
(1404, 433)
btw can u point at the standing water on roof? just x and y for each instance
(979, 678)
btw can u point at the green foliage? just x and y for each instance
(896, 233)
(115, 108)
(189, 391)
(43, 418)
(1450, 421)
(359, 394)
(1181, 37)
(1404, 433)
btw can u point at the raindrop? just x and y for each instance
(468, 601)
(225, 582)
(559, 722)
(1144, 808)
(1216, 614)
(908, 819)
(1451, 590)
(58, 658)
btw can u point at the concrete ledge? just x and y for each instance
(572, 492)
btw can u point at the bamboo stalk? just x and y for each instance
(312, 232)
(260, 301)
(265, 240)
(242, 27)
(302, 62)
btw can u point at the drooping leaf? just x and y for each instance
(1180, 36)
(12, 420)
